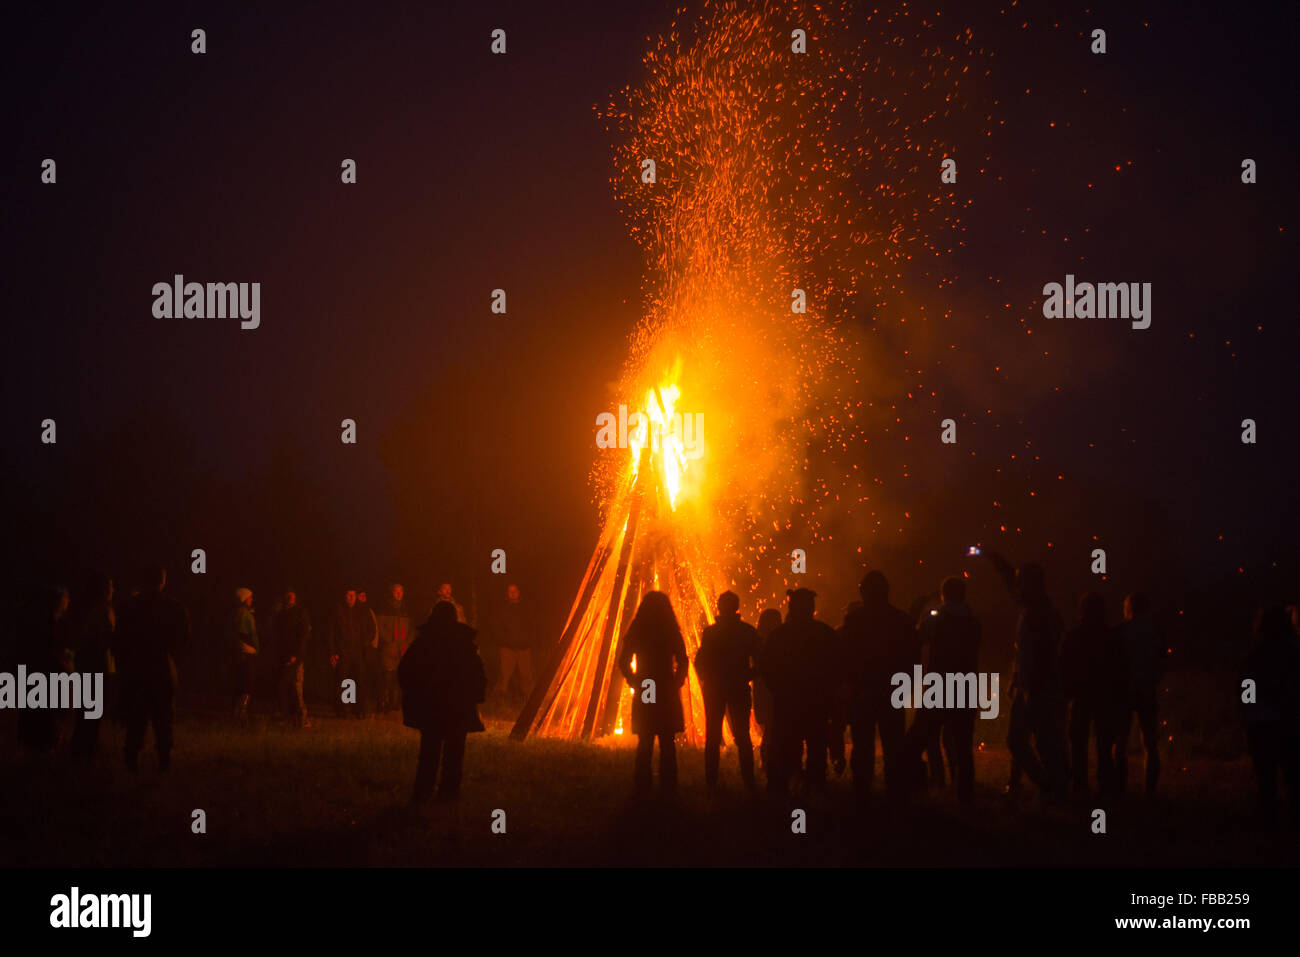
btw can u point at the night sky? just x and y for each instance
(478, 171)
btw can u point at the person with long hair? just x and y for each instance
(654, 639)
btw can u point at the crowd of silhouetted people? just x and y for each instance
(380, 661)
(807, 683)
(820, 696)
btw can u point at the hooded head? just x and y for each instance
(244, 596)
(443, 616)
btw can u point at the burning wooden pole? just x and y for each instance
(606, 679)
(566, 655)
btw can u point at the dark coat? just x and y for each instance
(798, 664)
(348, 630)
(395, 633)
(152, 628)
(442, 680)
(1146, 654)
(514, 629)
(95, 637)
(292, 628)
(1274, 665)
(953, 634)
(369, 628)
(1038, 650)
(724, 662)
(661, 656)
(954, 637)
(878, 641)
(1094, 665)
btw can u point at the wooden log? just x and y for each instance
(550, 679)
(603, 658)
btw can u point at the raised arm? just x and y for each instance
(1004, 568)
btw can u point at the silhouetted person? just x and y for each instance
(514, 645)
(39, 638)
(952, 633)
(243, 645)
(838, 722)
(878, 641)
(95, 627)
(442, 681)
(369, 683)
(799, 667)
(1094, 674)
(1035, 730)
(65, 639)
(152, 629)
(1273, 720)
(725, 665)
(933, 746)
(1146, 657)
(292, 628)
(655, 639)
(347, 644)
(444, 594)
(395, 634)
(768, 621)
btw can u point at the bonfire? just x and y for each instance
(768, 179)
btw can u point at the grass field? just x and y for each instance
(335, 795)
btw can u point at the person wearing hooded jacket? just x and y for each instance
(442, 680)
